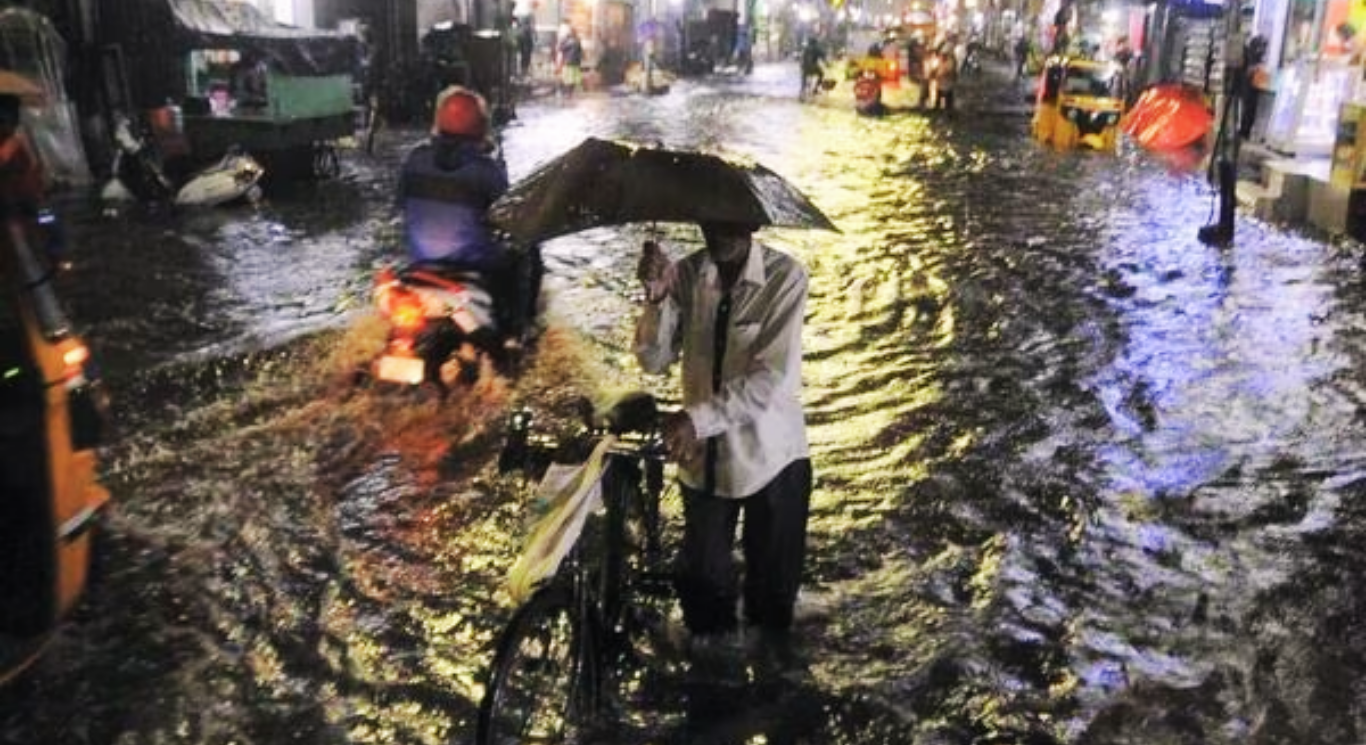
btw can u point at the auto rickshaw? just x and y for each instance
(879, 54)
(1080, 102)
(52, 414)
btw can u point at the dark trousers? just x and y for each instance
(1249, 114)
(774, 547)
(811, 82)
(522, 282)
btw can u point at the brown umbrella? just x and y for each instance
(605, 182)
(14, 84)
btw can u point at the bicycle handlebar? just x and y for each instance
(633, 418)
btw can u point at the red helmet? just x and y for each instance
(461, 112)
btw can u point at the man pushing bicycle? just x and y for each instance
(732, 314)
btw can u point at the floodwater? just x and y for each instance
(1080, 478)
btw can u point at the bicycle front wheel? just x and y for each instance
(542, 685)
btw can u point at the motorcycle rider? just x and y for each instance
(446, 186)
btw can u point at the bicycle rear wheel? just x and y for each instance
(542, 686)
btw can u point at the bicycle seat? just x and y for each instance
(635, 411)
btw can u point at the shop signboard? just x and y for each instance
(1309, 97)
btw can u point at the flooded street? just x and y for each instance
(1080, 478)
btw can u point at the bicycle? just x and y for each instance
(573, 644)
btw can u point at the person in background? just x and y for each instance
(732, 314)
(868, 94)
(1064, 22)
(969, 55)
(917, 68)
(571, 62)
(744, 49)
(23, 181)
(1123, 55)
(526, 44)
(248, 89)
(524, 19)
(813, 66)
(446, 186)
(649, 35)
(1021, 55)
(1254, 80)
(945, 76)
(1350, 42)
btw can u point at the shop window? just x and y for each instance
(1301, 36)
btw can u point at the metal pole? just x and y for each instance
(1226, 140)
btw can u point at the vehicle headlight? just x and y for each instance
(1072, 114)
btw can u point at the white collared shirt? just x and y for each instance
(757, 413)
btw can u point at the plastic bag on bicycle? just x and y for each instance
(568, 494)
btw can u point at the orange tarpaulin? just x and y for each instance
(1168, 117)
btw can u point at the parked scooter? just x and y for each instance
(138, 175)
(443, 324)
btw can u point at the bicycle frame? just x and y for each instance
(642, 468)
(598, 582)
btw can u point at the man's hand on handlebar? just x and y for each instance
(680, 439)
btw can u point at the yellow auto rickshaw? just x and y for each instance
(1079, 104)
(52, 414)
(882, 57)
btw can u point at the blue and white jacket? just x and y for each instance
(445, 189)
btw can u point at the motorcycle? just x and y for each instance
(444, 323)
(138, 175)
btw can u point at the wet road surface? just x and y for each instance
(1080, 478)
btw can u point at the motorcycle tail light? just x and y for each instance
(406, 311)
(385, 279)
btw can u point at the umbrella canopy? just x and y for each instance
(605, 182)
(14, 84)
(1168, 117)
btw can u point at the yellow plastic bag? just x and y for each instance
(570, 494)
